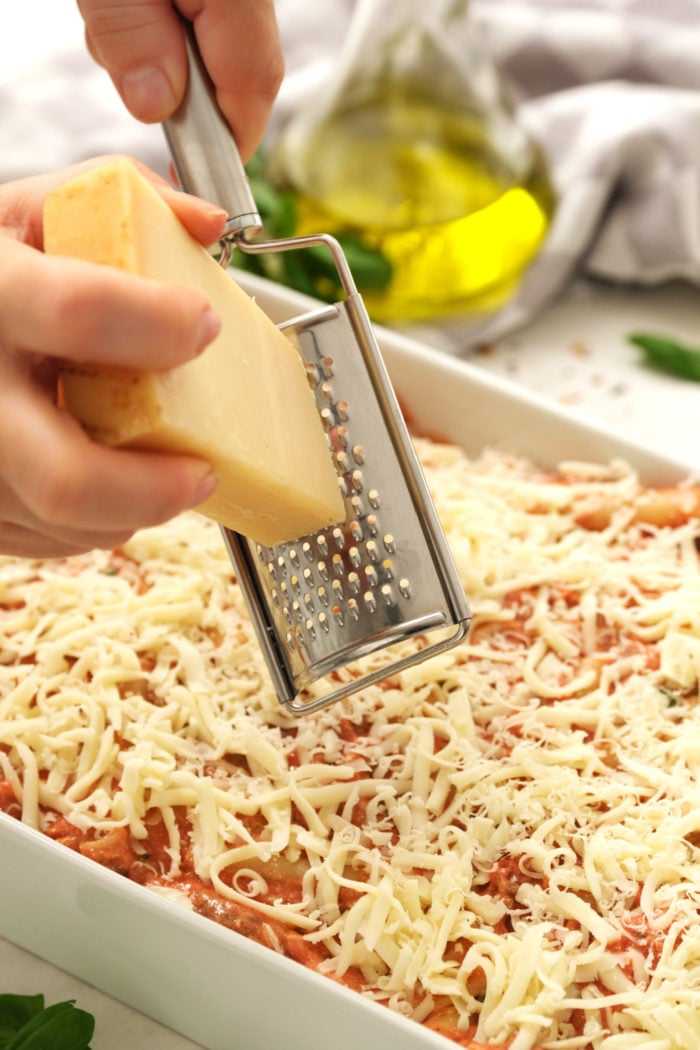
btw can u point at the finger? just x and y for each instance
(140, 44)
(65, 479)
(20, 541)
(22, 203)
(239, 43)
(82, 312)
(22, 535)
(205, 220)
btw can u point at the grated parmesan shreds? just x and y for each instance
(513, 827)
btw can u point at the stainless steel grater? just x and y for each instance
(323, 603)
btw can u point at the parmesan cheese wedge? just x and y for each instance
(244, 405)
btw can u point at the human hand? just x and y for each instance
(60, 493)
(141, 45)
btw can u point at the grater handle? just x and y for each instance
(203, 149)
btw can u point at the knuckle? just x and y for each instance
(111, 540)
(271, 77)
(73, 310)
(56, 491)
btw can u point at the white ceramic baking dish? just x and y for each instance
(200, 979)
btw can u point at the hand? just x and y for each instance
(140, 44)
(60, 493)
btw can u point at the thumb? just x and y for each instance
(140, 45)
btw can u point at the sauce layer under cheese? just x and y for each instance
(502, 843)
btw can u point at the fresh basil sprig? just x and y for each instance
(26, 1023)
(308, 270)
(669, 355)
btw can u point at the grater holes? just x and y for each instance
(328, 421)
(346, 572)
(388, 595)
(313, 374)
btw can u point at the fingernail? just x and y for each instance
(203, 488)
(147, 93)
(214, 210)
(209, 328)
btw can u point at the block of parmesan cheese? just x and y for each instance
(244, 404)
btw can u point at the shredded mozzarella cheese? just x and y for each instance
(513, 826)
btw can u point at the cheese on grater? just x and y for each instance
(244, 405)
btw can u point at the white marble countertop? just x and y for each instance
(576, 352)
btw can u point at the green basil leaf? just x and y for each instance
(15, 1012)
(35, 1027)
(286, 216)
(266, 198)
(668, 355)
(255, 168)
(369, 266)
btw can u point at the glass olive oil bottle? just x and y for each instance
(418, 156)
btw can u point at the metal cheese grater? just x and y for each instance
(324, 603)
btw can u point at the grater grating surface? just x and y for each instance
(384, 576)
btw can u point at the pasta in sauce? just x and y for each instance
(502, 843)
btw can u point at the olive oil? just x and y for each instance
(424, 185)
